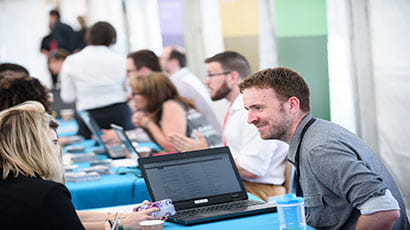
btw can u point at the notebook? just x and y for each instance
(134, 154)
(204, 186)
(113, 151)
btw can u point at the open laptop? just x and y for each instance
(204, 186)
(113, 151)
(134, 154)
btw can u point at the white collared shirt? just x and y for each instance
(93, 78)
(264, 158)
(188, 85)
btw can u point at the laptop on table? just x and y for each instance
(204, 186)
(113, 151)
(126, 142)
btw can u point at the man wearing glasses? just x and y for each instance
(261, 163)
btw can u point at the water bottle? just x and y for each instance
(291, 212)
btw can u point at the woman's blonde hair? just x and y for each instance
(25, 144)
(157, 88)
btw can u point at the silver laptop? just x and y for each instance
(204, 186)
(113, 151)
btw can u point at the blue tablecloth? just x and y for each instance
(255, 222)
(111, 190)
(124, 186)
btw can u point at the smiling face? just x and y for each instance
(270, 115)
(217, 82)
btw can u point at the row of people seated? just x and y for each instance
(278, 104)
(166, 116)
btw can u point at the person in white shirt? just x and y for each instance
(95, 79)
(141, 62)
(261, 163)
(173, 62)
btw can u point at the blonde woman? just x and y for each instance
(32, 195)
(162, 111)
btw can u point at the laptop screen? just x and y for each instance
(192, 176)
(125, 141)
(92, 125)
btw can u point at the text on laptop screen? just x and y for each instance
(196, 177)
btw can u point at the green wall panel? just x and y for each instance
(308, 56)
(300, 17)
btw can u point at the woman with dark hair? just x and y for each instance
(15, 90)
(162, 111)
(95, 79)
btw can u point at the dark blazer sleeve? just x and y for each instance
(59, 210)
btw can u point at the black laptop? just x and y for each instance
(113, 151)
(204, 186)
(134, 154)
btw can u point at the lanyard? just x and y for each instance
(299, 191)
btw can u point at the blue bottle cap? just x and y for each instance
(289, 199)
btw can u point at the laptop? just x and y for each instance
(204, 186)
(122, 135)
(113, 151)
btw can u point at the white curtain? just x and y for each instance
(143, 25)
(369, 43)
(203, 39)
(23, 24)
(268, 51)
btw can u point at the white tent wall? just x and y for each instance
(203, 39)
(369, 66)
(268, 48)
(143, 25)
(23, 23)
(110, 11)
(390, 36)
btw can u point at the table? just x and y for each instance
(255, 222)
(124, 186)
(110, 190)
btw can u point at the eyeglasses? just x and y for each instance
(217, 74)
(131, 70)
(135, 94)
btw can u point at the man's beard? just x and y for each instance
(222, 92)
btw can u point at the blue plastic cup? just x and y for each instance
(291, 212)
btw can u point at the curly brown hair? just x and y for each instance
(285, 82)
(16, 90)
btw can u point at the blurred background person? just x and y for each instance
(95, 80)
(12, 69)
(55, 63)
(142, 62)
(161, 111)
(81, 43)
(173, 62)
(16, 90)
(62, 35)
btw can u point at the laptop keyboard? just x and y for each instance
(226, 206)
